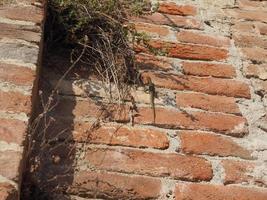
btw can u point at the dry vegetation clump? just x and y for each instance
(102, 27)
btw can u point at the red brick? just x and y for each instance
(16, 75)
(255, 54)
(15, 102)
(200, 38)
(208, 69)
(171, 118)
(12, 131)
(154, 164)
(193, 142)
(115, 186)
(242, 172)
(68, 108)
(170, 20)
(215, 86)
(189, 51)
(146, 61)
(27, 33)
(152, 29)
(8, 192)
(120, 135)
(10, 164)
(193, 191)
(207, 102)
(248, 15)
(174, 9)
(24, 13)
(237, 171)
(249, 41)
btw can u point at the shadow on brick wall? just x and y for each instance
(50, 169)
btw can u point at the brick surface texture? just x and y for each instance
(208, 140)
(21, 42)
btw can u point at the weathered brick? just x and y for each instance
(257, 71)
(111, 134)
(248, 15)
(23, 53)
(255, 54)
(189, 51)
(207, 102)
(244, 27)
(68, 108)
(147, 61)
(15, 102)
(170, 20)
(262, 28)
(217, 192)
(115, 186)
(16, 74)
(26, 2)
(27, 33)
(260, 87)
(174, 9)
(200, 38)
(10, 164)
(255, 5)
(208, 69)
(8, 192)
(243, 172)
(249, 41)
(193, 142)
(141, 95)
(23, 13)
(152, 29)
(12, 131)
(171, 118)
(214, 86)
(124, 136)
(154, 164)
(93, 88)
(236, 171)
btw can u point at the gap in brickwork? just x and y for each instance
(51, 137)
(38, 177)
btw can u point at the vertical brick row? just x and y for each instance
(20, 42)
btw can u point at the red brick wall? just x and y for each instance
(208, 141)
(20, 46)
(209, 137)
